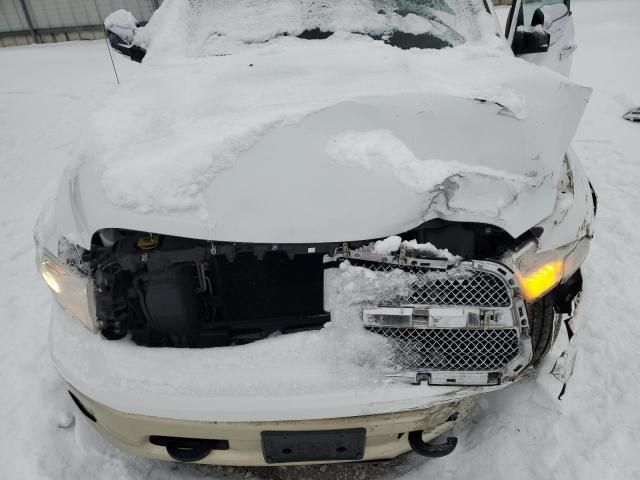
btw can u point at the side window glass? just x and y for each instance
(531, 6)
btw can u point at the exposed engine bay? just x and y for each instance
(171, 291)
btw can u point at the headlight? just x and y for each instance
(538, 273)
(71, 289)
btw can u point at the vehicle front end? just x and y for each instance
(249, 354)
(319, 242)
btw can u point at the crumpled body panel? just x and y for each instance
(489, 167)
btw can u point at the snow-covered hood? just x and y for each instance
(321, 141)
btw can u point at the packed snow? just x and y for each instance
(382, 150)
(388, 245)
(392, 244)
(521, 433)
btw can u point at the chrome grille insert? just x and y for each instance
(472, 288)
(455, 323)
(456, 349)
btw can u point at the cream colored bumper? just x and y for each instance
(386, 434)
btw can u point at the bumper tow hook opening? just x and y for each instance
(189, 450)
(428, 450)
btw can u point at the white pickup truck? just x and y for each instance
(316, 231)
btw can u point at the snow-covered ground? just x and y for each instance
(523, 432)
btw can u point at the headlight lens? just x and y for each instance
(71, 289)
(539, 273)
(540, 281)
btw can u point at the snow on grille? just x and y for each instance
(470, 288)
(452, 348)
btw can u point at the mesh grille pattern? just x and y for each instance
(452, 349)
(469, 288)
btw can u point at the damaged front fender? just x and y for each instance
(574, 211)
(556, 369)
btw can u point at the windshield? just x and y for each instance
(402, 23)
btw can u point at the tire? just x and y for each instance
(542, 324)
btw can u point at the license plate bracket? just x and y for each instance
(314, 446)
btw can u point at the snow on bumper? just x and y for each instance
(279, 379)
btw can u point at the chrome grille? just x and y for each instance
(452, 348)
(470, 288)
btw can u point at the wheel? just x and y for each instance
(542, 325)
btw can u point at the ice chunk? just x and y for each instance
(388, 245)
(392, 244)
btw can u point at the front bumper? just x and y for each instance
(386, 434)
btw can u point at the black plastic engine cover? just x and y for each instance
(171, 302)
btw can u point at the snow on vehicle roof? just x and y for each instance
(200, 27)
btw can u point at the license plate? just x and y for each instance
(318, 446)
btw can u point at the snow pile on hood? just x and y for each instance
(426, 250)
(122, 23)
(381, 149)
(162, 138)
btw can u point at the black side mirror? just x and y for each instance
(134, 52)
(532, 40)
